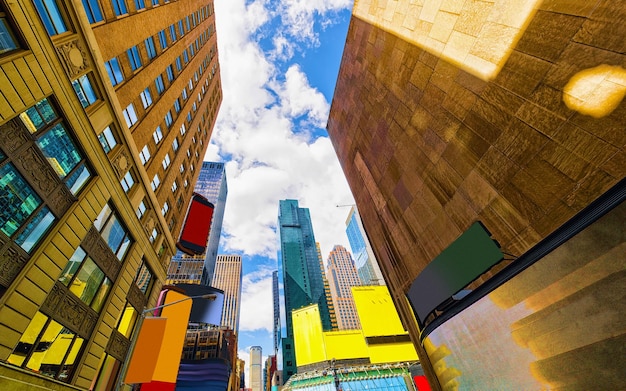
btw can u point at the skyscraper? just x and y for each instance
(276, 299)
(227, 277)
(490, 163)
(256, 369)
(301, 273)
(364, 259)
(212, 185)
(106, 111)
(342, 276)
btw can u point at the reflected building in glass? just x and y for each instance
(489, 156)
(364, 259)
(105, 116)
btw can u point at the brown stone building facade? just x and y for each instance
(106, 111)
(449, 113)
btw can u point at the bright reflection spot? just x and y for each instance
(596, 91)
(477, 36)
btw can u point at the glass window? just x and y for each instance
(113, 231)
(155, 2)
(115, 72)
(150, 48)
(127, 182)
(177, 106)
(140, 4)
(85, 279)
(183, 129)
(187, 22)
(166, 208)
(162, 39)
(94, 13)
(172, 33)
(160, 87)
(168, 119)
(181, 29)
(130, 116)
(179, 64)
(133, 58)
(119, 7)
(146, 99)
(141, 209)
(175, 145)
(174, 186)
(185, 56)
(155, 182)
(170, 73)
(22, 213)
(107, 139)
(7, 39)
(51, 16)
(144, 278)
(184, 93)
(144, 155)
(157, 135)
(166, 161)
(84, 91)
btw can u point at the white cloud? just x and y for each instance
(256, 301)
(299, 16)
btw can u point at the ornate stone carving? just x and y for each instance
(74, 57)
(11, 262)
(12, 136)
(67, 309)
(36, 167)
(71, 312)
(136, 297)
(60, 200)
(121, 162)
(101, 253)
(54, 298)
(118, 346)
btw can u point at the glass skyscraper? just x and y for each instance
(364, 259)
(300, 272)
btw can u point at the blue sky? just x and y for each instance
(279, 61)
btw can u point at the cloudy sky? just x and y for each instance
(279, 61)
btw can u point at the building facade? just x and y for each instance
(106, 112)
(227, 277)
(300, 269)
(342, 276)
(256, 368)
(501, 122)
(364, 258)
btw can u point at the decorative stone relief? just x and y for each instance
(35, 166)
(121, 162)
(136, 298)
(11, 262)
(118, 345)
(74, 57)
(67, 309)
(101, 253)
(12, 137)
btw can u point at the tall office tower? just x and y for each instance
(227, 277)
(491, 161)
(301, 274)
(327, 293)
(185, 269)
(364, 259)
(342, 276)
(106, 109)
(256, 370)
(276, 299)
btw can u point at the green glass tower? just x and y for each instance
(300, 272)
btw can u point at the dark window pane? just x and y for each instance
(18, 200)
(7, 40)
(35, 229)
(59, 149)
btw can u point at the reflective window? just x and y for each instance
(7, 39)
(170, 73)
(144, 155)
(86, 280)
(181, 29)
(127, 182)
(175, 145)
(113, 231)
(146, 98)
(107, 139)
(94, 13)
(155, 182)
(179, 64)
(160, 87)
(177, 106)
(162, 39)
(84, 91)
(166, 161)
(51, 16)
(172, 33)
(168, 119)
(133, 58)
(165, 208)
(141, 209)
(130, 115)
(119, 7)
(144, 278)
(150, 48)
(115, 72)
(157, 135)
(140, 4)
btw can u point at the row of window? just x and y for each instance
(121, 8)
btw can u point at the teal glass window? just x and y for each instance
(84, 90)
(107, 139)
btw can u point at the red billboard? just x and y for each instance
(195, 232)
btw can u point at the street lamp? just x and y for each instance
(142, 316)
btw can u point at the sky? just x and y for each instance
(279, 61)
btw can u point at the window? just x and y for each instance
(84, 91)
(146, 99)
(144, 155)
(185, 56)
(133, 58)
(150, 48)
(162, 39)
(51, 16)
(140, 4)
(107, 139)
(184, 93)
(175, 145)
(127, 182)
(113, 231)
(157, 135)
(155, 182)
(170, 73)
(86, 280)
(153, 235)
(141, 209)
(55, 143)
(181, 29)
(187, 23)
(115, 72)
(174, 186)
(144, 278)
(173, 33)
(166, 161)
(177, 106)
(119, 7)
(182, 169)
(94, 13)
(160, 87)
(186, 182)
(179, 64)
(130, 116)
(165, 209)
(183, 129)
(7, 39)
(168, 119)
